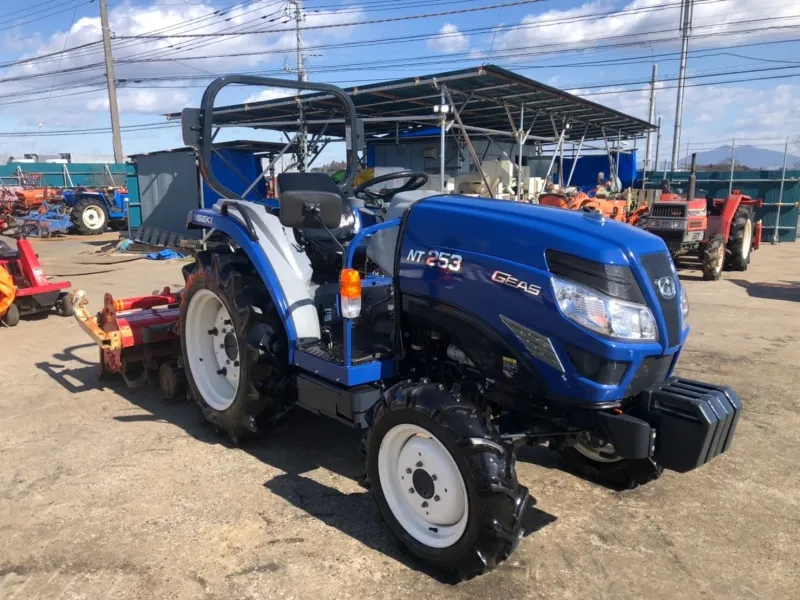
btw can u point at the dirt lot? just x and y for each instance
(107, 492)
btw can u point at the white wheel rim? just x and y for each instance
(747, 240)
(435, 516)
(592, 448)
(212, 350)
(93, 217)
(720, 259)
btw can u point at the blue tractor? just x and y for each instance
(93, 211)
(453, 330)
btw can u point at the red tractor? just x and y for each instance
(721, 232)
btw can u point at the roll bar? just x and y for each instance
(198, 124)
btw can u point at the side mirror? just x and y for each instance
(303, 209)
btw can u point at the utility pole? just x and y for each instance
(651, 116)
(687, 9)
(301, 76)
(658, 144)
(112, 83)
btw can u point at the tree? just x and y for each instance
(331, 167)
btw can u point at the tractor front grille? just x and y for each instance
(669, 210)
(659, 265)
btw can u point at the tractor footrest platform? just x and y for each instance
(695, 421)
(335, 353)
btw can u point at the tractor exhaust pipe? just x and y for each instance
(692, 178)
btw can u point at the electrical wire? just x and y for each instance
(361, 23)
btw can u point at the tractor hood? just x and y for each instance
(522, 233)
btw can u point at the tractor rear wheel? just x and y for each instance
(11, 318)
(89, 216)
(714, 258)
(444, 480)
(233, 346)
(597, 460)
(740, 241)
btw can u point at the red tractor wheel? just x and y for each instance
(740, 240)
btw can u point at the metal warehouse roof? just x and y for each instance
(487, 98)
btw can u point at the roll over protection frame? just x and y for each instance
(198, 125)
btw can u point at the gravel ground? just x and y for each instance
(107, 492)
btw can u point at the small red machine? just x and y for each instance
(24, 288)
(138, 338)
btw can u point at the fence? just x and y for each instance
(779, 191)
(64, 174)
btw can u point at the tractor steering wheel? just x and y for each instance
(416, 179)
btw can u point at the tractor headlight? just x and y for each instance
(604, 314)
(684, 307)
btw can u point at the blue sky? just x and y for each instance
(591, 48)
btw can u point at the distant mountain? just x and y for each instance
(756, 158)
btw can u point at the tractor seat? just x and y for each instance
(322, 251)
(383, 245)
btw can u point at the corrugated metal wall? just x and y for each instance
(756, 184)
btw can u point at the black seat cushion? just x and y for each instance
(307, 182)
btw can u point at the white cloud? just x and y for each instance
(78, 91)
(143, 102)
(704, 118)
(450, 40)
(573, 27)
(268, 94)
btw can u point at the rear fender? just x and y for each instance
(722, 223)
(284, 271)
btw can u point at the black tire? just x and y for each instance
(77, 216)
(714, 258)
(171, 382)
(738, 254)
(624, 474)
(264, 385)
(64, 305)
(11, 318)
(495, 499)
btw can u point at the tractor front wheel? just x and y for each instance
(233, 346)
(714, 258)
(598, 460)
(740, 241)
(444, 480)
(90, 217)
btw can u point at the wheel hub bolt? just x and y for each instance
(226, 322)
(236, 363)
(214, 331)
(436, 498)
(410, 490)
(419, 464)
(222, 371)
(408, 471)
(433, 477)
(424, 505)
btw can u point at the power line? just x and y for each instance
(359, 23)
